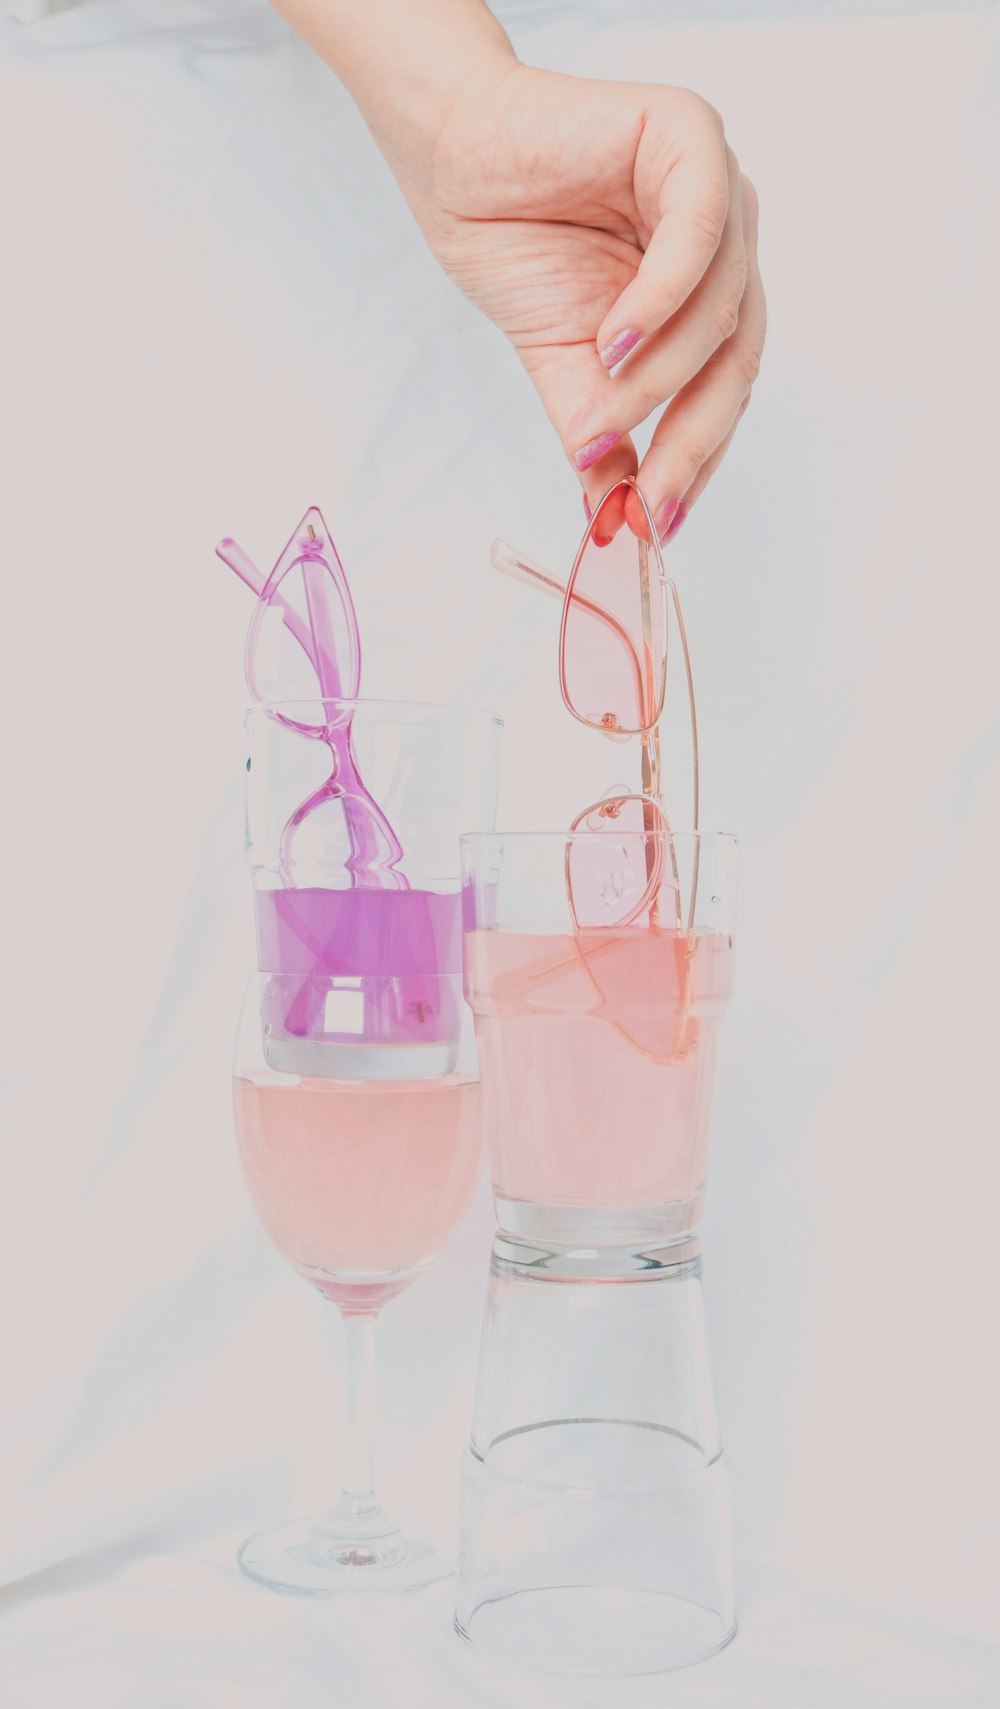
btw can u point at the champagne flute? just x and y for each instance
(359, 1181)
(356, 1098)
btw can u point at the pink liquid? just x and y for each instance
(359, 1183)
(597, 1054)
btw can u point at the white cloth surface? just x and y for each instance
(215, 311)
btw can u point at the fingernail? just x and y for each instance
(680, 518)
(603, 539)
(595, 449)
(664, 517)
(620, 346)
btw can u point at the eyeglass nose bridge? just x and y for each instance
(608, 726)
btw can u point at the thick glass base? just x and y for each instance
(520, 1259)
(603, 1226)
(309, 1557)
(327, 1060)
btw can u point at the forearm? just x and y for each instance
(403, 61)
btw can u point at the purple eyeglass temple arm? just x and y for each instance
(233, 554)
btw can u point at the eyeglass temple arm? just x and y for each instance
(234, 556)
(313, 569)
(521, 569)
(692, 710)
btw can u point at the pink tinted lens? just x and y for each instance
(614, 635)
(644, 983)
(621, 877)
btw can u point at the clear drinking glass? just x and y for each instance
(354, 811)
(595, 1532)
(355, 1093)
(598, 1041)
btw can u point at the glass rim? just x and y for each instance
(479, 839)
(400, 711)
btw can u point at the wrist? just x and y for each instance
(406, 63)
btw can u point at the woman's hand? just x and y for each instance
(604, 227)
(607, 226)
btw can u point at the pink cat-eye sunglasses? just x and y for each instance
(613, 656)
(303, 648)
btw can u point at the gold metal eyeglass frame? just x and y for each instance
(653, 582)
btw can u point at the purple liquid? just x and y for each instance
(386, 933)
(396, 943)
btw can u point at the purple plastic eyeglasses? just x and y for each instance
(306, 599)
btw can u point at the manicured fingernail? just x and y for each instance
(595, 449)
(664, 517)
(620, 346)
(680, 517)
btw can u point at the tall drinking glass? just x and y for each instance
(594, 1509)
(355, 1094)
(354, 811)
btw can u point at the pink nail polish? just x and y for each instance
(620, 346)
(680, 518)
(664, 517)
(595, 449)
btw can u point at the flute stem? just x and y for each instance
(359, 1412)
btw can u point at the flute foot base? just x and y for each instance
(306, 1557)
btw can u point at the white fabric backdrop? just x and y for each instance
(215, 310)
